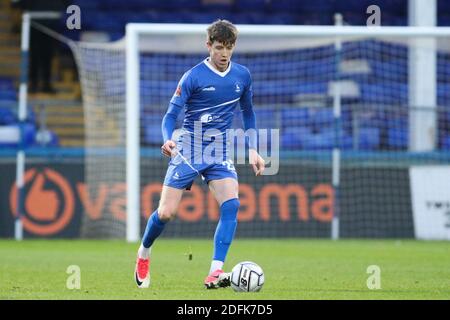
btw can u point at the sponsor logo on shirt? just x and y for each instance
(207, 117)
(211, 88)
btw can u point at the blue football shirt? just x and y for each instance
(210, 96)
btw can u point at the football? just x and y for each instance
(247, 276)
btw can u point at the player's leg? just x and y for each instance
(179, 176)
(226, 193)
(168, 205)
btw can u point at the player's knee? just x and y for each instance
(166, 213)
(229, 209)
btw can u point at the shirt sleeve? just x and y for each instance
(179, 99)
(248, 115)
(169, 121)
(183, 91)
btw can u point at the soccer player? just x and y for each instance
(209, 93)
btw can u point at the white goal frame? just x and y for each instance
(135, 30)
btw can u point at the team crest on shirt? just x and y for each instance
(237, 87)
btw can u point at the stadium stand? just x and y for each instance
(302, 128)
(64, 103)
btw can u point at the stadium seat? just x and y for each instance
(323, 140)
(294, 117)
(88, 5)
(267, 118)
(151, 124)
(443, 20)
(398, 138)
(346, 142)
(8, 94)
(251, 5)
(386, 93)
(301, 6)
(322, 117)
(279, 19)
(445, 142)
(7, 116)
(29, 134)
(295, 138)
(153, 135)
(368, 138)
(443, 93)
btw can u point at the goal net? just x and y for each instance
(356, 108)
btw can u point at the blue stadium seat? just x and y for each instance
(346, 142)
(151, 124)
(323, 6)
(251, 5)
(295, 137)
(295, 117)
(323, 140)
(277, 19)
(322, 117)
(398, 138)
(152, 134)
(29, 134)
(369, 138)
(8, 95)
(218, 6)
(445, 142)
(29, 131)
(267, 118)
(394, 70)
(386, 93)
(443, 8)
(87, 5)
(7, 116)
(200, 17)
(443, 20)
(54, 139)
(443, 94)
(284, 91)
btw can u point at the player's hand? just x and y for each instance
(257, 162)
(168, 148)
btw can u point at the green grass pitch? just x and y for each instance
(294, 269)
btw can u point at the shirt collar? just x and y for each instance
(222, 74)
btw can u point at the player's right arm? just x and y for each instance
(178, 101)
(168, 126)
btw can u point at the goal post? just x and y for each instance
(339, 94)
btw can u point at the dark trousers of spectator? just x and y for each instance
(41, 55)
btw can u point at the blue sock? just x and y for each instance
(225, 228)
(154, 228)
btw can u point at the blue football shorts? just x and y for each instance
(181, 173)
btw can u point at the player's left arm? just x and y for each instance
(249, 119)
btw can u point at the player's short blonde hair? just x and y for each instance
(222, 31)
